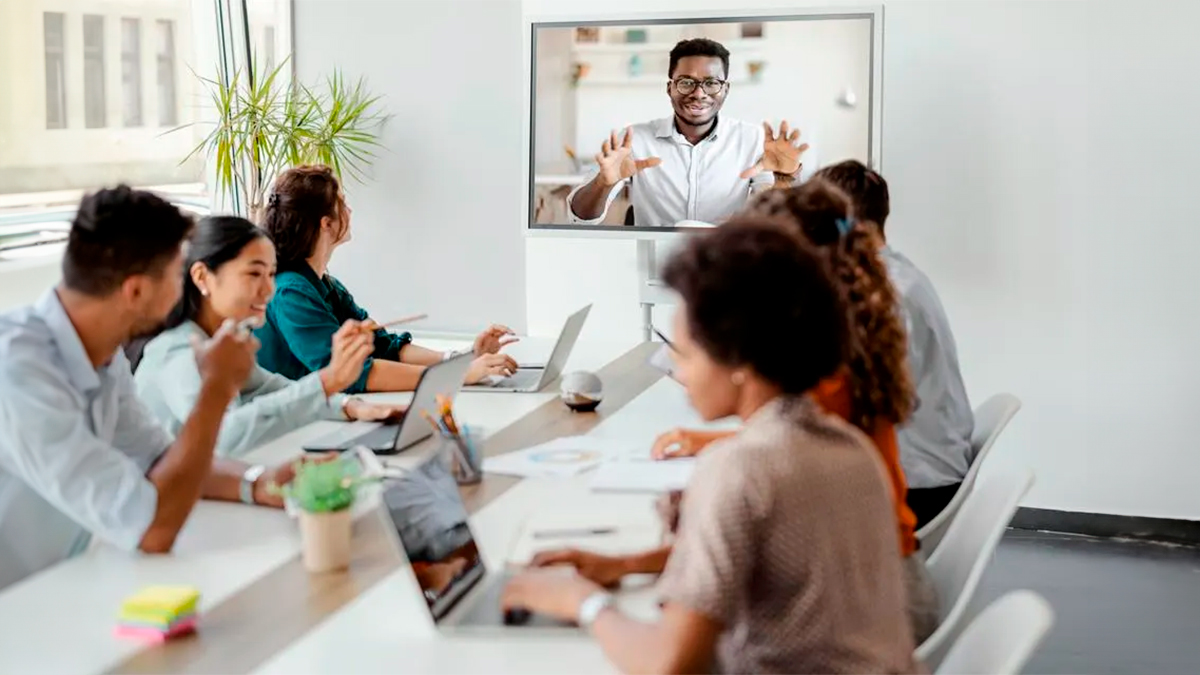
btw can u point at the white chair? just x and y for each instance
(990, 419)
(958, 564)
(1002, 638)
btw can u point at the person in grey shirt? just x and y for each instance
(229, 275)
(935, 444)
(79, 453)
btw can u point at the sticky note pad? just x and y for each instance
(158, 613)
(166, 601)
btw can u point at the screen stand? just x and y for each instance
(651, 289)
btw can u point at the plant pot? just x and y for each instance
(325, 540)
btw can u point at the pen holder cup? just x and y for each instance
(464, 453)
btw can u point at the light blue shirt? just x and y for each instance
(75, 445)
(935, 443)
(267, 407)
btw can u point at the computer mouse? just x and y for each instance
(516, 616)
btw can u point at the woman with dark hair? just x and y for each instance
(308, 218)
(785, 559)
(872, 390)
(229, 276)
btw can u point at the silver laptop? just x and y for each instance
(443, 379)
(424, 509)
(534, 379)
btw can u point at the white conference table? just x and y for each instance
(260, 612)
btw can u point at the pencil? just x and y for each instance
(394, 322)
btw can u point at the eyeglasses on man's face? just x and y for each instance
(686, 85)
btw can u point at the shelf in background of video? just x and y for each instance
(740, 47)
(657, 80)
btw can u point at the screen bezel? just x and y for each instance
(873, 13)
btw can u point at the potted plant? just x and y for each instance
(323, 493)
(266, 124)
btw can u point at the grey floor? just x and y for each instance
(1121, 606)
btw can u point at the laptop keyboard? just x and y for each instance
(522, 379)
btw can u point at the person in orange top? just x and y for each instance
(874, 392)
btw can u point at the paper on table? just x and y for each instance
(562, 457)
(640, 475)
(629, 534)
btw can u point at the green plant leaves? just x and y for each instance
(322, 487)
(266, 124)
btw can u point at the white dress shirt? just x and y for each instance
(935, 443)
(75, 445)
(700, 182)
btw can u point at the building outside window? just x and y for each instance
(56, 69)
(131, 72)
(94, 102)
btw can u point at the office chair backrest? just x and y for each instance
(958, 564)
(990, 419)
(1002, 638)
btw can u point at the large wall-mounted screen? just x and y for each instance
(640, 126)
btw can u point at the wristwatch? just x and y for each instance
(591, 607)
(346, 401)
(249, 478)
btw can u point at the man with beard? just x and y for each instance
(695, 165)
(79, 453)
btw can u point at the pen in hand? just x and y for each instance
(581, 532)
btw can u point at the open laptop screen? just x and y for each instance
(430, 519)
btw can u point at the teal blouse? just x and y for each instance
(301, 319)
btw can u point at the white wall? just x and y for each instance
(439, 229)
(1041, 156)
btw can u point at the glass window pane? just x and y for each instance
(104, 85)
(165, 58)
(94, 103)
(56, 70)
(131, 72)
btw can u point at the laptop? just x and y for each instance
(530, 380)
(390, 438)
(425, 511)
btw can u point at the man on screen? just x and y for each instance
(694, 165)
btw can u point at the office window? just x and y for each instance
(165, 58)
(94, 101)
(56, 70)
(131, 72)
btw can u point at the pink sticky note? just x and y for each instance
(151, 635)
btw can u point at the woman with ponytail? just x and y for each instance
(229, 276)
(873, 391)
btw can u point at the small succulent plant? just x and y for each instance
(325, 487)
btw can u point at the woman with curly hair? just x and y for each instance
(873, 391)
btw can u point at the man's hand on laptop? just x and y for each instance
(488, 365)
(494, 339)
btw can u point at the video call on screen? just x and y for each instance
(591, 82)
